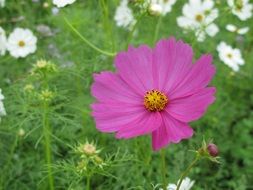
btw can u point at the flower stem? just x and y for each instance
(107, 24)
(188, 169)
(163, 169)
(157, 28)
(87, 183)
(47, 142)
(87, 41)
(130, 36)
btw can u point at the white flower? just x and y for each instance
(233, 28)
(21, 42)
(231, 57)
(166, 5)
(185, 185)
(3, 41)
(55, 10)
(124, 16)
(155, 9)
(62, 3)
(198, 15)
(2, 3)
(241, 8)
(2, 109)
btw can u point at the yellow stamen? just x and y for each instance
(199, 17)
(21, 43)
(155, 100)
(229, 55)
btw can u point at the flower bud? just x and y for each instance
(21, 132)
(98, 160)
(89, 149)
(212, 150)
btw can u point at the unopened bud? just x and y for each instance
(21, 132)
(213, 150)
(98, 160)
(89, 149)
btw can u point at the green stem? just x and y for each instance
(47, 142)
(107, 25)
(133, 29)
(87, 41)
(185, 173)
(163, 169)
(87, 183)
(157, 28)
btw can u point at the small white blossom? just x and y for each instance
(198, 16)
(21, 42)
(185, 185)
(63, 3)
(241, 8)
(55, 10)
(2, 3)
(165, 5)
(231, 57)
(155, 9)
(2, 109)
(233, 28)
(3, 41)
(124, 16)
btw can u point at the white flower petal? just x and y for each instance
(2, 3)
(63, 3)
(3, 42)
(124, 16)
(231, 27)
(212, 30)
(243, 30)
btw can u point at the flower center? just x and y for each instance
(154, 100)
(229, 55)
(239, 5)
(199, 17)
(21, 43)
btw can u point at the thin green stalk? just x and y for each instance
(87, 183)
(107, 25)
(130, 36)
(87, 41)
(47, 142)
(185, 173)
(157, 28)
(163, 169)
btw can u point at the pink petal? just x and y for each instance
(112, 117)
(144, 125)
(105, 110)
(199, 76)
(109, 87)
(191, 107)
(171, 131)
(135, 67)
(172, 61)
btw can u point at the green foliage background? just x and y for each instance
(229, 121)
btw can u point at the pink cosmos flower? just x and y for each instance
(153, 91)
